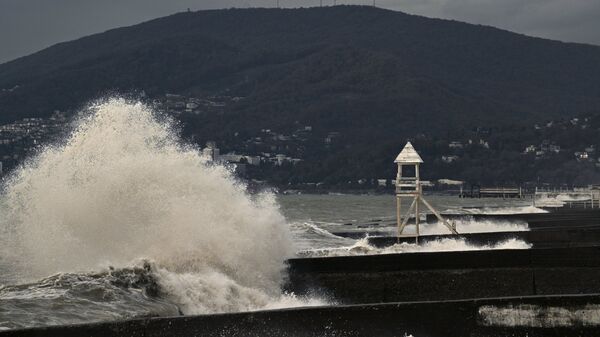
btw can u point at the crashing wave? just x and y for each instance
(123, 187)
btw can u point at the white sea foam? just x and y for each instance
(309, 235)
(122, 187)
(470, 225)
(463, 225)
(560, 199)
(212, 291)
(507, 210)
(313, 228)
(362, 247)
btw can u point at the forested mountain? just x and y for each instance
(377, 77)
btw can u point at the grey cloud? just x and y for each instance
(566, 20)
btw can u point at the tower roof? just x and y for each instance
(408, 155)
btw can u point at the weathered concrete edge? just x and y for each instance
(483, 259)
(431, 318)
(553, 237)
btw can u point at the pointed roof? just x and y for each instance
(408, 155)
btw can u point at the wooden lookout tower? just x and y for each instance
(408, 185)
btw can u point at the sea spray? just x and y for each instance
(309, 235)
(122, 187)
(344, 246)
(505, 210)
(467, 224)
(362, 247)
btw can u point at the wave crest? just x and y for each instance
(122, 187)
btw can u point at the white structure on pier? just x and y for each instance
(409, 186)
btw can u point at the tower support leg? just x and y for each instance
(440, 218)
(407, 216)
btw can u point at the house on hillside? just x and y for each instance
(449, 159)
(455, 145)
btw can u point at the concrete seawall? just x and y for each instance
(448, 275)
(461, 293)
(562, 218)
(558, 217)
(551, 237)
(504, 280)
(531, 316)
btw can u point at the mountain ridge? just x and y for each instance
(363, 29)
(376, 76)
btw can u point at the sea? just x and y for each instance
(122, 219)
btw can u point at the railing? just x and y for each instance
(492, 192)
(408, 188)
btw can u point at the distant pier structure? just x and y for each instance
(477, 191)
(408, 186)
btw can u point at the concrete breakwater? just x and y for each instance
(549, 290)
(560, 218)
(517, 316)
(448, 275)
(467, 293)
(551, 237)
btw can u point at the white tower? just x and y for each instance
(410, 187)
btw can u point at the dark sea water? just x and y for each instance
(314, 217)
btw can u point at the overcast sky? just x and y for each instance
(27, 26)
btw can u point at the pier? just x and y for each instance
(491, 192)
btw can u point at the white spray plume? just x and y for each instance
(123, 188)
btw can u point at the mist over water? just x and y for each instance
(122, 188)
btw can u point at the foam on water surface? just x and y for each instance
(499, 210)
(362, 247)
